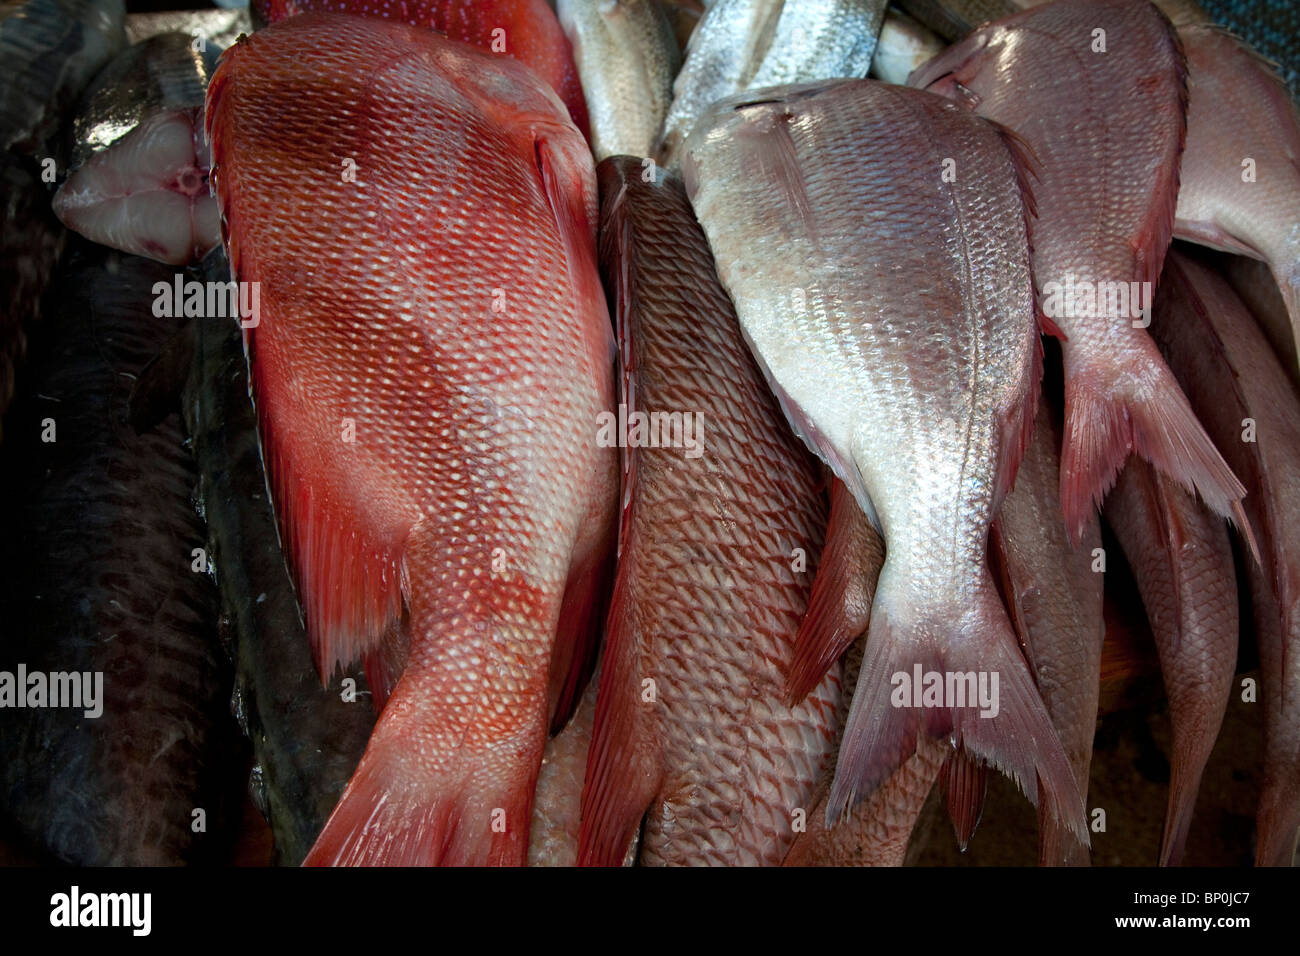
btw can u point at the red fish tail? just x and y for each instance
(1010, 731)
(839, 607)
(1105, 419)
(1277, 822)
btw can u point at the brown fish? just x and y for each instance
(1241, 392)
(691, 730)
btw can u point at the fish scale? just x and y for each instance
(472, 497)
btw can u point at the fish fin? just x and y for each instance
(582, 614)
(156, 392)
(1017, 427)
(394, 813)
(839, 607)
(1105, 420)
(766, 141)
(623, 773)
(386, 660)
(1056, 845)
(965, 784)
(908, 631)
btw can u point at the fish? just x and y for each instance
(877, 831)
(839, 608)
(750, 44)
(435, 468)
(553, 839)
(893, 316)
(1055, 594)
(683, 16)
(1240, 390)
(1240, 172)
(218, 27)
(1182, 560)
(525, 30)
(105, 578)
(1106, 131)
(49, 49)
(139, 175)
(955, 19)
(716, 544)
(306, 739)
(1253, 282)
(627, 58)
(903, 46)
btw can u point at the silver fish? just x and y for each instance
(139, 181)
(748, 44)
(627, 58)
(903, 46)
(891, 308)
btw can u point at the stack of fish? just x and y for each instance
(618, 431)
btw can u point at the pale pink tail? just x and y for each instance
(969, 644)
(1147, 413)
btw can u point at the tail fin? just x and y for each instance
(912, 636)
(1105, 418)
(965, 783)
(839, 607)
(472, 809)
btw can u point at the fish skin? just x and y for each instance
(1231, 374)
(877, 831)
(220, 27)
(98, 576)
(532, 33)
(903, 46)
(954, 19)
(1023, 72)
(553, 839)
(707, 600)
(139, 175)
(1055, 599)
(1239, 107)
(1182, 561)
(894, 405)
(744, 45)
(627, 58)
(49, 49)
(377, 528)
(306, 739)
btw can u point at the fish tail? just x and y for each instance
(1057, 845)
(839, 607)
(1184, 784)
(969, 646)
(1107, 419)
(395, 812)
(623, 772)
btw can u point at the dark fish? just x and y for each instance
(139, 177)
(306, 738)
(99, 577)
(49, 50)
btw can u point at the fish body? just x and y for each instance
(903, 46)
(1097, 90)
(1182, 560)
(627, 58)
(139, 178)
(892, 313)
(691, 731)
(217, 27)
(1241, 392)
(429, 395)
(49, 50)
(306, 739)
(100, 578)
(954, 19)
(1054, 592)
(749, 44)
(557, 803)
(1240, 173)
(526, 30)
